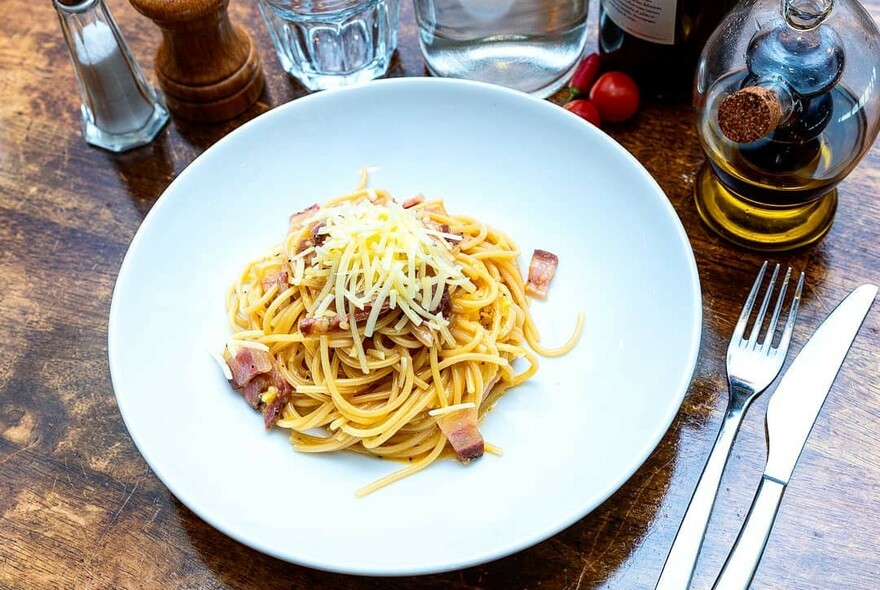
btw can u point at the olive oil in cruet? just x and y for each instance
(785, 119)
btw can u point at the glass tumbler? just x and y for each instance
(528, 45)
(333, 43)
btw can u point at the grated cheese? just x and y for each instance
(227, 373)
(377, 254)
(450, 409)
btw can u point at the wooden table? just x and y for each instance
(79, 507)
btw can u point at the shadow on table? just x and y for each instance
(146, 172)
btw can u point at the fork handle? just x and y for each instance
(679, 567)
(740, 566)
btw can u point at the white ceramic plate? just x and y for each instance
(571, 436)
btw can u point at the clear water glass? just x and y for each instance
(333, 43)
(529, 45)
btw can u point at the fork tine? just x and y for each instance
(792, 316)
(756, 329)
(774, 320)
(747, 307)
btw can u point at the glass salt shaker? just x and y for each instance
(120, 108)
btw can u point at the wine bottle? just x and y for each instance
(658, 42)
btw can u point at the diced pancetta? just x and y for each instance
(279, 280)
(445, 305)
(297, 219)
(313, 326)
(246, 364)
(316, 326)
(272, 410)
(461, 429)
(413, 201)
(253, 373)
(542, 267)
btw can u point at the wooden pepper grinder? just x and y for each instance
(208, 67)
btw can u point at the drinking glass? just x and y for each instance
(528, 45)
(333, 43)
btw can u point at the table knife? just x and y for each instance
(792, 410)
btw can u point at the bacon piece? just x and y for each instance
(541, 270)
(246, 364)
(445, 305)
(413, 201)
(461, 429)
(254, 372)
(272, 410)
(315, 229)
(315, 239)
(280, 280)
(253, 390)
(361, 315)
(312, 326)
(297, 219)
(256, 387)
(453, 239)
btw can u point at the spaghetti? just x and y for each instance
(383, 328)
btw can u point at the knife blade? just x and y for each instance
(791, 413)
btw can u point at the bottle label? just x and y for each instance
(651, 20)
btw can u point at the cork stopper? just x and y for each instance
(74, 5)
(749, 114)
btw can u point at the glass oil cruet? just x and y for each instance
(787, 103)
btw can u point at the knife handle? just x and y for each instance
(739, 569)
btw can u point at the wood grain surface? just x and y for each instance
(79, 507)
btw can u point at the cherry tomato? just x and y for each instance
(585, 110)
(616, 96)
(584, 76)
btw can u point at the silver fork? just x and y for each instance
(751, 367)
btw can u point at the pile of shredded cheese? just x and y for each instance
(374, 255)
